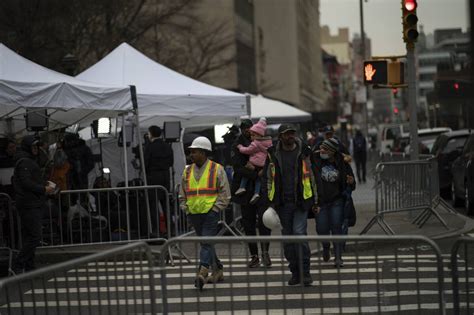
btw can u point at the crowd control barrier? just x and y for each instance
(407, 186)
(117, 281)
(104, 216)
(462, 269)
(382, 274)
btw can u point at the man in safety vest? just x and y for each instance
(289, 184)
(204, 193)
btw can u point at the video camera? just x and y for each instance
(231, 135)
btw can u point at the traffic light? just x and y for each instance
(395, 110)
(409, 21)
(383, 72)
(375, 72)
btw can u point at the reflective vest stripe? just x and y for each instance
(201, 195)
(306, 178)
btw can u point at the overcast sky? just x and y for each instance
(382, 19)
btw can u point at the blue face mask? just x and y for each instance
(324, 156)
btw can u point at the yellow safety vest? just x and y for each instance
(306, 180)
(201, 196)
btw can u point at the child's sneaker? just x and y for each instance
(254, 199)
(240, 191)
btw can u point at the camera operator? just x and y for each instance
(158, 158)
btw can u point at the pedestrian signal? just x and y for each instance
(375, 72)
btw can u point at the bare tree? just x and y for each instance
(167, 30)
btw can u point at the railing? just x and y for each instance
(382, 274)
(106, 215)
(117, 281)
(411, 186)
(462, 269)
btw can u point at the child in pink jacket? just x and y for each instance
(258, 154)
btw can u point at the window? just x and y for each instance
(454, 144)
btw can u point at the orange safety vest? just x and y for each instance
(201, 195)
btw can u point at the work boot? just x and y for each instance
(326, 254)
(240, 191)
(266, 261)
(295, 279)
(338, 263)
(201, 277)
(216, 276)
(307, 279)
(254, 262)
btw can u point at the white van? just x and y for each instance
(390, 132)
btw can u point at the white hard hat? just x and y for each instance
(201, 143)
(271, 219)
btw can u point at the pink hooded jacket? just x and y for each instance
(257, 150)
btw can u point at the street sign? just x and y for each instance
(375, 72)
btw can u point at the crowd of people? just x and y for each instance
(296, 179)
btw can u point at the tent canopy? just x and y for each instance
(275, 111)
(163, 94)
(25, 84)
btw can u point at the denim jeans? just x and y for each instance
(258, 184)
(329, 221)
(206, 225)
(295, 222)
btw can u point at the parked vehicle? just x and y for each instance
(389, 134)
(426, 138)
(462, 187)
(446, 149)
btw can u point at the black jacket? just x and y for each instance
(343, 168)
(239, 161)
(158, 157)
(28, 181)
(304, 152)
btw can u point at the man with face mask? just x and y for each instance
(30, 195)
(333, 177)
(290, 188)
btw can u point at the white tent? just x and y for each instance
(25, 84)
(276, 111)
(166, 95)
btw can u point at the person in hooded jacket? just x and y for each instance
(30, 196)
(334, 176)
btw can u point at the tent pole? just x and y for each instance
(133, 90)
(127, 205)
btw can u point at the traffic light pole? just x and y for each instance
(412, 102)
(362, 52)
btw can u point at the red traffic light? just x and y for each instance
(395, 110)
(456, 86)
(410, 5)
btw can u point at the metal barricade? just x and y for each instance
(405, 186)
(382, 274)
(462, 271)
(399, 156)
(107, 215)
(8, 238)
(117, 281)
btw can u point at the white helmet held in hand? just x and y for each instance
(271, 219)
(201, 143)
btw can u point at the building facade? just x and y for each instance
(277, 49)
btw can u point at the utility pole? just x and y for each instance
(362, 52)
(412, 101)
(410, 35)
